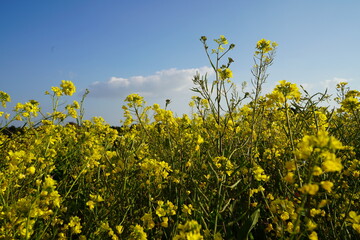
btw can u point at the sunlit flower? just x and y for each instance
(331, 163)
(31, 170)
(289, 177)
(225, 73)
(317, 171)
(138, 233)
(266, 46)
(4, 98)
(91, 204)
(327, 185)
(75, 225)
(313, 236)
(148, 221)
(311, 189)
(67, 87)
(311, 225)
(284, 216)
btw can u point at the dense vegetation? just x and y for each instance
(242, 166)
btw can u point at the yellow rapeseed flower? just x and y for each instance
(311, 225)
(289, 177)
(96, 198)
(148, 221)
(317, 171)
(264, 45)
(289, 227)
(91, 204)
(67, 87)
(323, 203)
(331, 163)
(327, 185)
(311, 189)
(314, 212)
(187, 209)
(75, 224)
(165, 222)
(138, 233)
(290, 165)
(259, 174)
(134, 100)
(57, 91)
(225, 73)
(31, 170)
(119, 229)
(269, 227)
(189, 231)
(4, 98)
(222, 40)
(313, 236)
(285, 90)
(284, 216)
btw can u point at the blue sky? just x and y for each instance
(152, 47)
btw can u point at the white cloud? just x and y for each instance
(119, 82)
(331, 83)
(165, 82)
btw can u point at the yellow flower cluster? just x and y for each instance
(284, 91)
(134, 100)
(148, 221)
(265, 46)
(165, 209)
(66, 88)
(155, 171)
(354, 218)
(351, 102)
(311, 189)
(4, 98)
(28, 109)
(225, 73)
(75, 225)
(259, 175)
(189, 231)
(285, 215)
(71, 109)
(94, 200)
(324, 146)
(138, 233)
(224, 164)
(220, 41)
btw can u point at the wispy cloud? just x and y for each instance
(331, 83)
(170, 82)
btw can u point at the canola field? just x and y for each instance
(243, 165)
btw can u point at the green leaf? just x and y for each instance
(249, 225)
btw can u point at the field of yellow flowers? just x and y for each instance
(243, 165)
